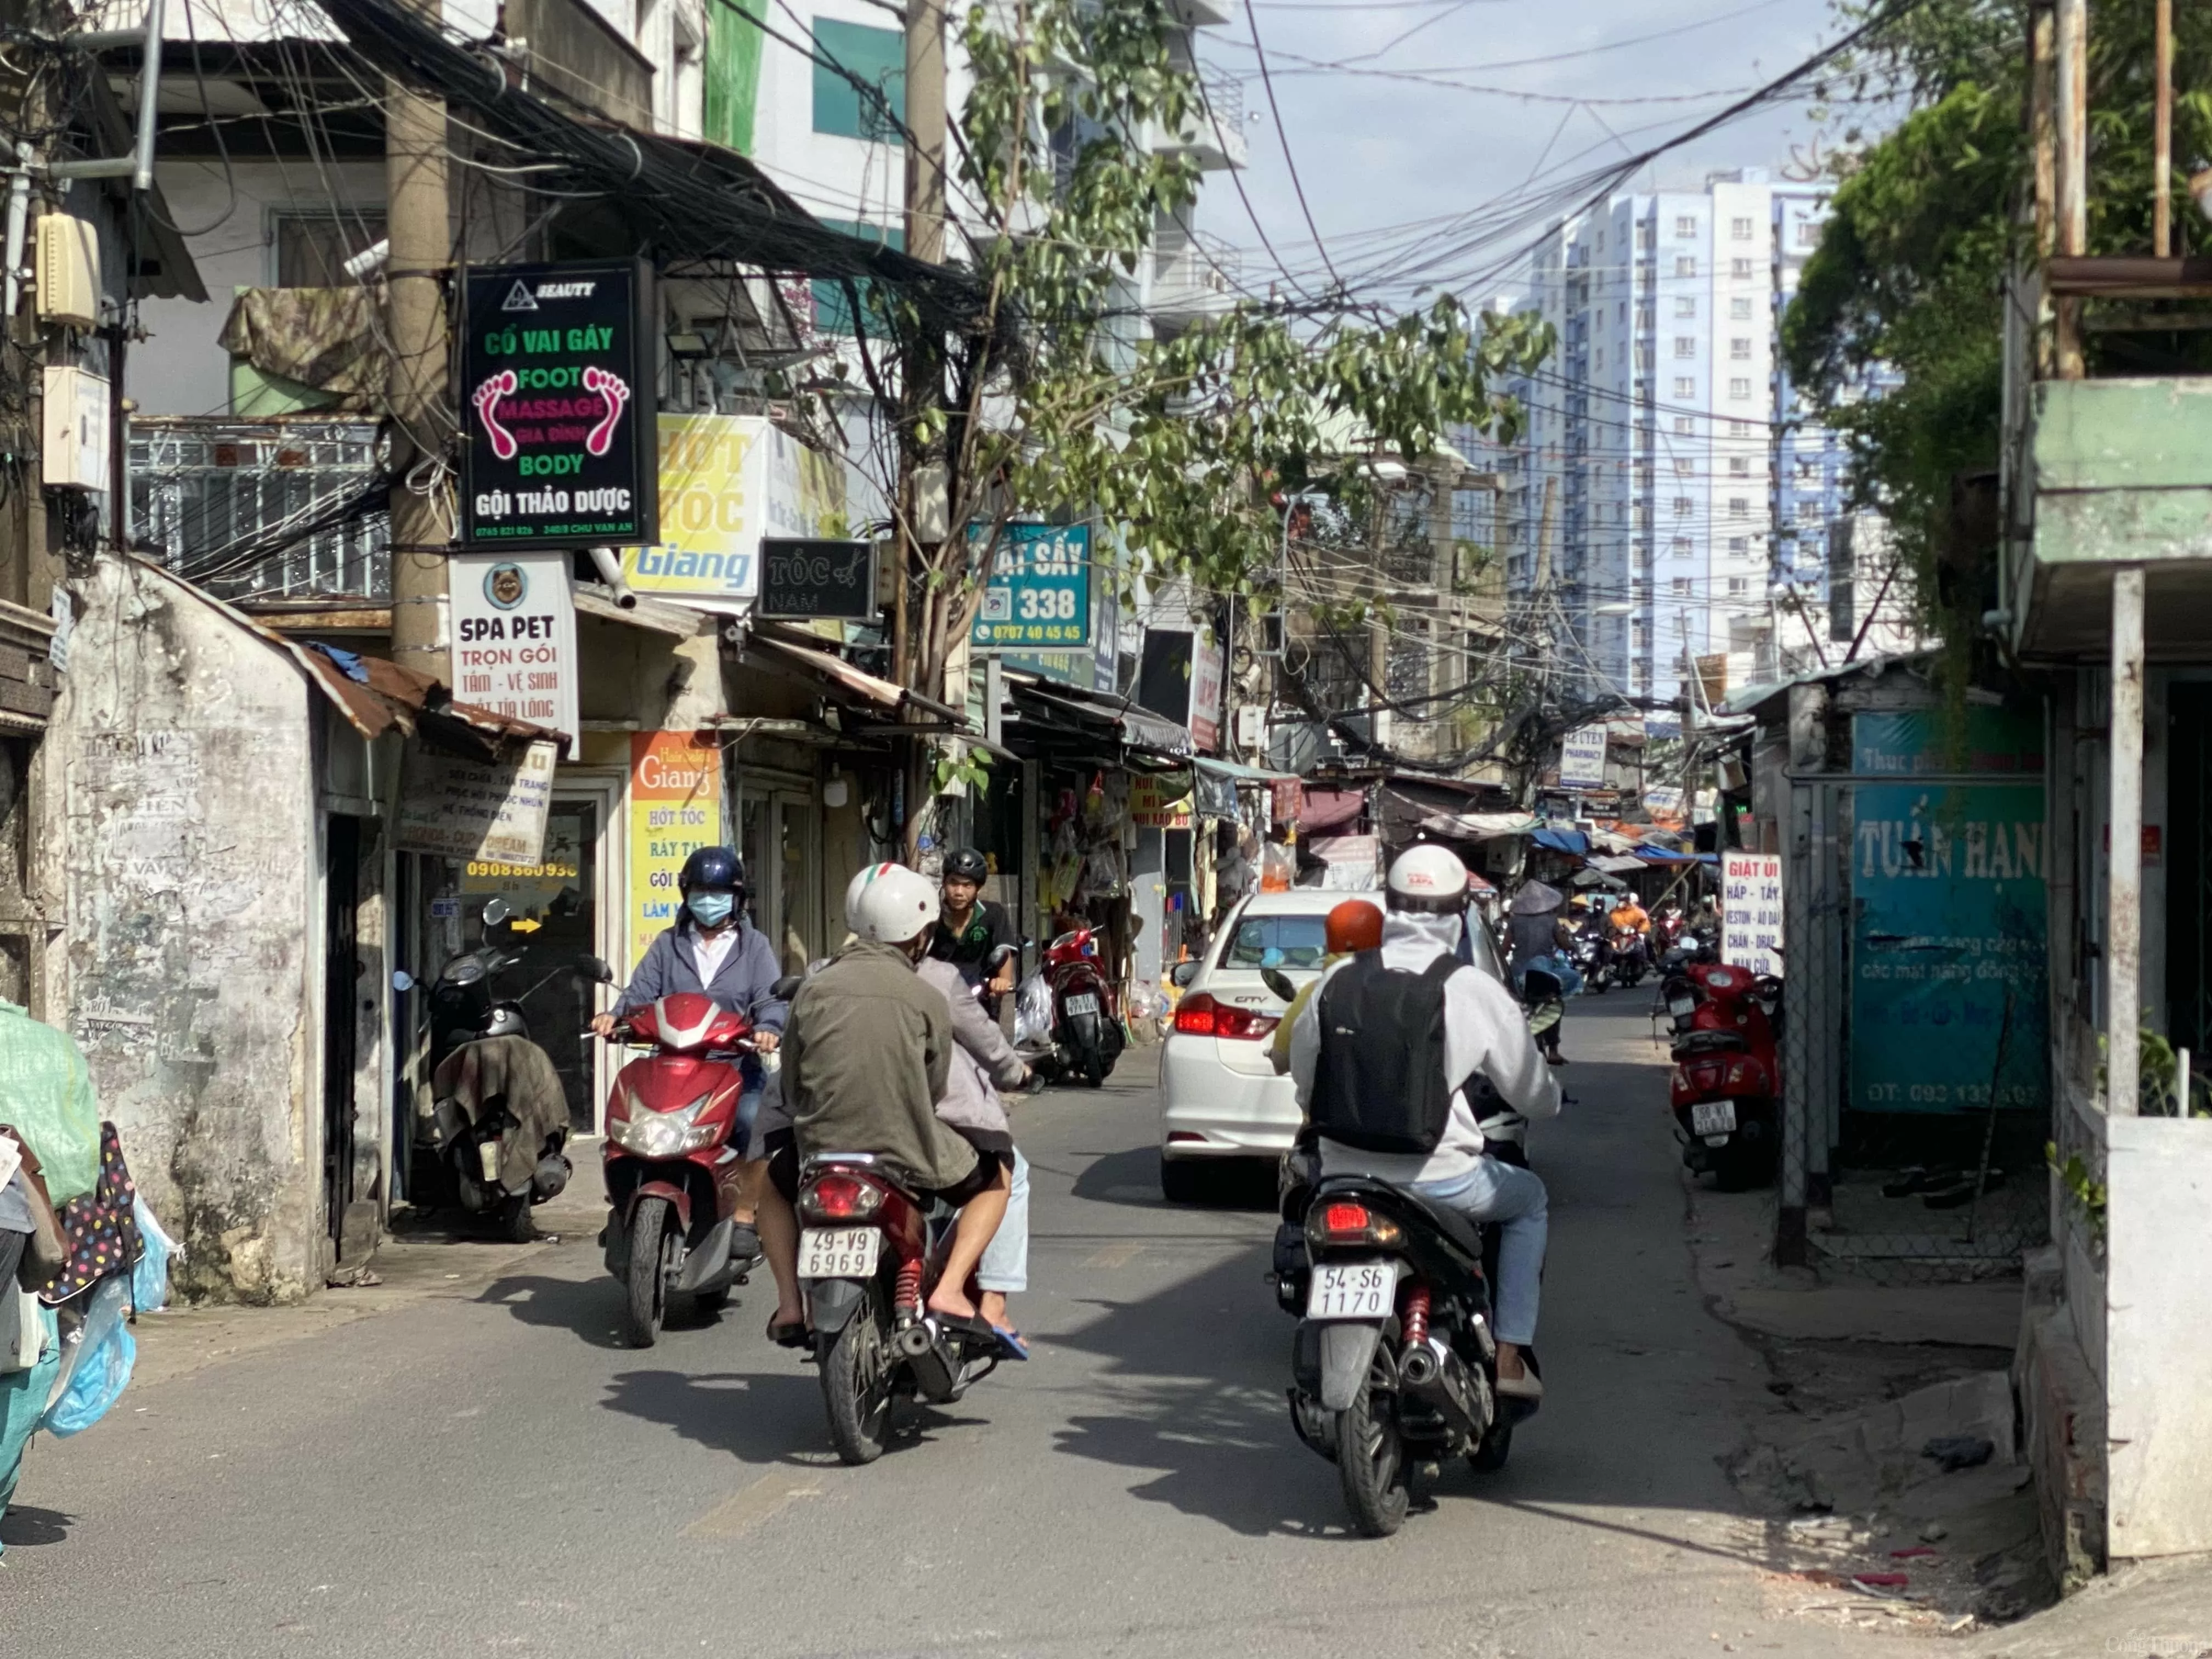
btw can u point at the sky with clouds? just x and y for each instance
(1413, 121)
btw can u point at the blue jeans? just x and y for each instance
(1514, 1198)
(749, 1105)
(1006, 1264)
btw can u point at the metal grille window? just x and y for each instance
(1685, 386)
(1740, 229)
(264, 510)
(1741, 270)
(1684, 507)
(1686, 345)
(1739, 309)
(1740, 350)
(1686, 265)
(1687, 225)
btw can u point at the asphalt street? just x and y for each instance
(489, 1471)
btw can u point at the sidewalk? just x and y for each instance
(446, 1258)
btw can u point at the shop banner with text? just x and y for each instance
(514, 636)
(479, 811)
(1751, 911)
(674, 808)
(1948, 940)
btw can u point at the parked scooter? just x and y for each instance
(1085, 1037)
(1727, 1086)
(869, 1254)
(488, 1153)
(672, 1239)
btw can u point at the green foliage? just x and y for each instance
(1176, 443)
(2082, 1190)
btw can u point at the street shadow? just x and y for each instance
(760, 1417)
(1133, 1178)
(589, 1307)
(31, 1527)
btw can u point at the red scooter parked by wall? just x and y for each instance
(1085, 1033)
(672, 1239)
(1727, 1087)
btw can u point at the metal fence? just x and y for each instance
(1895, 1196)
(286, 509)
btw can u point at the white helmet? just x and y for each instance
(890, 903)
(1427, 877)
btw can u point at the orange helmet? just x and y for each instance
(1355, 924)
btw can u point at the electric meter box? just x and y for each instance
(75, 426)
(69, 269)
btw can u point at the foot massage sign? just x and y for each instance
(557, 401)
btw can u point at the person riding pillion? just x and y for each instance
(1381, 1056)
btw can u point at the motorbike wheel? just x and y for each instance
(652, 1234)
(1371, 1460)
(1094, 1069)
(856, 1383)
(1489, 1457)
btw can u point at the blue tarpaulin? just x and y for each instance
(1562, 841)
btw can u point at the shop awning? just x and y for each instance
(833, 670)
(1328, 811)
(1091, 712)
(1253, 776)
(1562, 841)
(1617, 863)
(377, 696)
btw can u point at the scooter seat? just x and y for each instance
(1711, 1042)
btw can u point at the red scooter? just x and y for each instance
(671, 1170)
(1727, 1087)
(1087, 1037)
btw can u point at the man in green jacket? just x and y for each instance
(866, 1051)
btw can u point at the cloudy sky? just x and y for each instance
(1418, 156)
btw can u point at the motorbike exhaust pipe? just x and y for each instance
(1421, 1367)
(1439, 1381)
(913, 1342)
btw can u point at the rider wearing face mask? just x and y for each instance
(713, 948)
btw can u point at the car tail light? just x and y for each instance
(1350, 1224)
(1199, 1015)
(836, 1197)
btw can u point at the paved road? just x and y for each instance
(490, 1472)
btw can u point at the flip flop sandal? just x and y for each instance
(1010, 1342)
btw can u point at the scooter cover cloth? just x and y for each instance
(476, 1073)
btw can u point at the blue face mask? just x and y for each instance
(710, 909)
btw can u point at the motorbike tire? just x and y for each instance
(515, 1225)
(1370, 1463)
(856, 1367)
(645, 1306)
(1490, 1454)
(1094, 1070)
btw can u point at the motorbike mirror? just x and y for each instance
(1000, 956)
(1182, 973)
(402, 980)
(784, 988)
(496, 911)
(1279, 982)
(595, 968)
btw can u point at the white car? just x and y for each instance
(1220, 1096)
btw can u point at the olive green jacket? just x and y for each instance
(866, 1050)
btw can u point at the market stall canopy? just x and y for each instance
(1328, 811)
(1562, 840)
(1617, 863)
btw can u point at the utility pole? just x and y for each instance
(421, 233)
(1378, 636)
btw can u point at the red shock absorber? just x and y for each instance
(910, 1289)
(1413, 1316)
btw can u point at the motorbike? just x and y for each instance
(1395, 1367)
(1726, 1088)
(672, 1239)
(1085, 1037)
(1631, 957)
(869, 1254)
(1592, 956)
(458, 1153)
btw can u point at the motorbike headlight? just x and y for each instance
(662, 1134)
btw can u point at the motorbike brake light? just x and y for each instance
(1344, 1218)
(1346, 1223)
(836, 1197)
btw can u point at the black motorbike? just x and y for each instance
(456, 1158)
(1592, 955)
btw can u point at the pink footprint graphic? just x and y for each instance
(502, 385)
(601, 438)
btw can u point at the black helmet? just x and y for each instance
(716, 868)
(966, 864)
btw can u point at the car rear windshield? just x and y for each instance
(1296, 941)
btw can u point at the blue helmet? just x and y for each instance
(718, 869)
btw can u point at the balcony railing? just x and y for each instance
(264, 510)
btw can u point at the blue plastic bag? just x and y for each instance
(150, 1279)
(98, 1365)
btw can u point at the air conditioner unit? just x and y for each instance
(69, 269)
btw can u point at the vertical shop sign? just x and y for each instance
(558, 377)
(1582, 758)
(675, 809)
(1948, 941)
(1039, 595)
(513, 647)
(1206, 693)
(1751, 911)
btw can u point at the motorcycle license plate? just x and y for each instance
(1712, 1117)
(838, 1252)
(1681, 1004)
(1082, 1002)
(1353, 1289)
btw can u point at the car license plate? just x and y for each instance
(838, 1252)
(1682, 1005)
(1353, 1289)
(1082, 1002)
(1712, 1117)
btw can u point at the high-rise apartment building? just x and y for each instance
(1685, 494)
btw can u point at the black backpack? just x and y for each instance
(1380, 1083)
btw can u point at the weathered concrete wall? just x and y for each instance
(180, 762)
